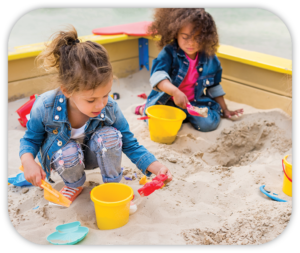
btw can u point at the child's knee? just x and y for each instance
(105, 139)
(68, 163)
(208, 124)
(107, 145)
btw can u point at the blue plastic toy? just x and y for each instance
(267, 193)
(68, 234)
(19, 180)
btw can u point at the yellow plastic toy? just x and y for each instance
(112, 204)
(287, 178)
(144, 181)
(164, 122)
(51, 194)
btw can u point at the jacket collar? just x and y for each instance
(202, 57)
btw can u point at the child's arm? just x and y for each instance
(137, 153)
(179, 97)
(31, 143)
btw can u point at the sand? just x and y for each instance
(214, 197)
(202, 111)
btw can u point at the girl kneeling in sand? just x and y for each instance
(187, 69)
(77, 126)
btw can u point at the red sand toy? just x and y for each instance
(155, 184)
(24, 110)
(143, 95)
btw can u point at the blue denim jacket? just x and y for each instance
(48, 130)
(172, 64)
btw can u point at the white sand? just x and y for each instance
(214, 197)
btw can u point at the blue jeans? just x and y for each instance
(103, 150)
(210, 123)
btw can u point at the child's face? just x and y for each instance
(91, 102)
(187, 42)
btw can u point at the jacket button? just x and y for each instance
(196, 84)
(207, 82)
(195, 100)
(56, 117)
(61, 100)
(58, 108)
(200, 69)
(209, 103)
(59, 143)
(55, 131)
(102, 115)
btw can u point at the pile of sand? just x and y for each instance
(214, 197)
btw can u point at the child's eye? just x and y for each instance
(185, 38)
(90, 101)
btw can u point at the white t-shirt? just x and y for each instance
(78, 133)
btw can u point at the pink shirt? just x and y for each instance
(188, 83)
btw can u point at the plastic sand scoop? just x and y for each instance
(155, 184)
(191, 110)
(53, 195)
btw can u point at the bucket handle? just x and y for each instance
(283, 168)
(143, 118)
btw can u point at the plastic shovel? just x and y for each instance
(191, 111)
(53, 195)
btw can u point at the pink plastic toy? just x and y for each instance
(150, 187)
(191, 110)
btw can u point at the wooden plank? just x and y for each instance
(255, 97)
(125, 67)
(40, 84)
(153, 49)
(150, 62)
(27, 87)
(122, 50)
(256, 59)
(26, 68)
(32, 50)
(264, 79)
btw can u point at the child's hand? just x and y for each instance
(228, 114)
(180, 99)
(32, 171)
(157, 168)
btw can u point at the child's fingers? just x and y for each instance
(43, 174)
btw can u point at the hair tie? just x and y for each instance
(76, 41)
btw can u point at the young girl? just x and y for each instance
(78, 126)
(187, 69)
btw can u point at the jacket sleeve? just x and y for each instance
(216, 90)
(137, 153)
(35, 133)
(161, 67)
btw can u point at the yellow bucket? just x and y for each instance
(112, 204)
(164, 122)
(287, 178)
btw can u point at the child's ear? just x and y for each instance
(64, 91)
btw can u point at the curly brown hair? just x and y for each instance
(168, 21)
(80, 65)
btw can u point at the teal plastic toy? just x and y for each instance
(68, 234)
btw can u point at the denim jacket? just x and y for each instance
(49, 130)
(172, 64)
